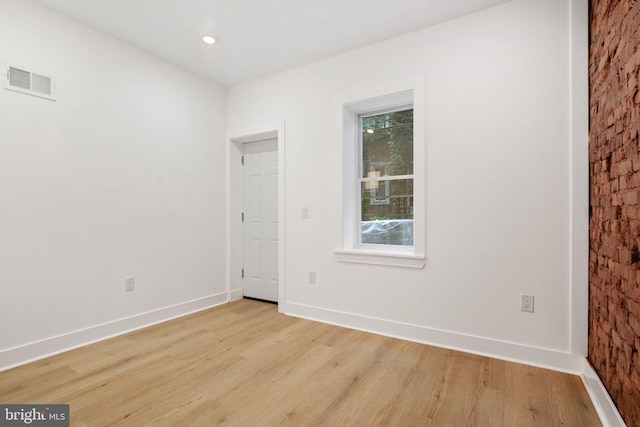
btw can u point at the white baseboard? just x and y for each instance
(236, 294)
(21, 355)
(513, 352)
(606, 409)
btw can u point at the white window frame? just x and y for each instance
(380, 179)
(349, 110)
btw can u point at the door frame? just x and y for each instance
(235, 197)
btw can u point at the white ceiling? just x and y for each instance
(258, 37)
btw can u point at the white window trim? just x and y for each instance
(348, 109)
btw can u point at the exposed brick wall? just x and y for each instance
(614, 149)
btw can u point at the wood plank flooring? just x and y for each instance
(243, 364)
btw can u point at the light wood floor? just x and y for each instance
(243, 364)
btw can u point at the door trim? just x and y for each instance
(235, 195)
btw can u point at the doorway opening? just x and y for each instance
(256, 230)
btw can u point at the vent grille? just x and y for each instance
(40, 84)
(19, 78)
(29, 82)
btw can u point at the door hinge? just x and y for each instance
(242, 160)
(243, 273)
(242, 216)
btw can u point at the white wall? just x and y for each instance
(497, 175)
(123, 176)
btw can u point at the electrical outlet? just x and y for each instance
(304, 212)
(526, 303)
(312, 277)
(130, 284)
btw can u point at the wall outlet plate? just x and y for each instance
(130, 284)
(526, 303)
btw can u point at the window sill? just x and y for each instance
(392, 259)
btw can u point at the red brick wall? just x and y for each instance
(614, 150)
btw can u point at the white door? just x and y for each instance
(261, 220)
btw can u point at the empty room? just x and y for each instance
(320, 213)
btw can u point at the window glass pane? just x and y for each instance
(387, 212)
(387, 144)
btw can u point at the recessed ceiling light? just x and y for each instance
(208, 40)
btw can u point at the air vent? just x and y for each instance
(20, 79)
